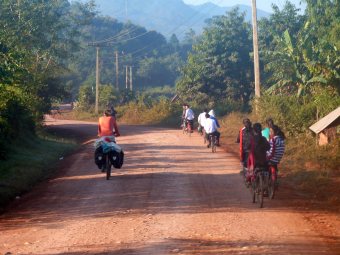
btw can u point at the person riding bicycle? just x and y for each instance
(107, 131)
(277, 146)
(244, 139)
(107, 125)
(210, 128)
(189, 117)
(266, 131)
(201, 119)
(110, 107)
(212, 116)
(258, 149)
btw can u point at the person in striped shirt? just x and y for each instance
(277, 146)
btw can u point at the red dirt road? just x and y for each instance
(172, 196)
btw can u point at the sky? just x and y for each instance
(261, 4)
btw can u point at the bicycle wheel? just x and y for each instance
(260, 189)
(213, 144)
(271, 184)
(204, 137)
(253, 190)
(108, 167)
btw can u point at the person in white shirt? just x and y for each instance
(201, 119)
(210, 128)
(189, 117)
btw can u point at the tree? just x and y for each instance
(219, 67)
(295, 64)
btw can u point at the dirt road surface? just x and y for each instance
(172, 196)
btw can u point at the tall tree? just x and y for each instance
(220, 67)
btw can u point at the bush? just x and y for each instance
(15, 117)
(150, 112)
(295, 115)
(87, 97)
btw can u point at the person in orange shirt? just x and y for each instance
(107, 125)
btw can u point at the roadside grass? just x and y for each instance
(31, 160)
(309, 169)
(76, 115)
(161, 114)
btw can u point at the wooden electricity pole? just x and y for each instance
(131, 78)
(117, 71)
(256, 52)
(126, 77)
(97, 82)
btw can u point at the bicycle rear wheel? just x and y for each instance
(260, 189)
(108, 167)
(204, 137)
(271, 184)
(253, 190)
(213, 144)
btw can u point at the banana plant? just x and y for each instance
(294, 64)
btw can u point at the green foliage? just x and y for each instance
(87, 96)
(35, 39)
(154, 112)
(305, 54)
(219, 67)
(296, 114)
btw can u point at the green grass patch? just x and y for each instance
(31, 159)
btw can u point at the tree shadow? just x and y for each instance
(207, 247)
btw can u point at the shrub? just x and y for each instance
(295, 115)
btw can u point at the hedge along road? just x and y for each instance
(172, 196)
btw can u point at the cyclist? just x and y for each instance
(201, 119)
(107, 125)
(189, 117)
(244, 139)
(277, 146)
(108, 129)
(218, 134)
(210, 128)
(266, 131)
(258, 149)
(183, 121)
(260, 146)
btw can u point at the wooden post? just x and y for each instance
(256, 53)
(97, 82)
(126, 77)
(117, 71)
(131, 78)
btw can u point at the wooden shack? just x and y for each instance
(327, 128)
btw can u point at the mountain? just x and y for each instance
(167, 16)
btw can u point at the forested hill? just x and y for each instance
(167, 17)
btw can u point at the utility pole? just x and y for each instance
(131, 78)
(126, 77)
(256, 52)
(117, 70)
(97, 81)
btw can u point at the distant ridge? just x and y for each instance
(167, 16)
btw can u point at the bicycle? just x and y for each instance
(106, 167)
(108, 154)
(259, 184)
(272, 183)
(204, 136)
(213, 142)
(187, 127)
(184, 126)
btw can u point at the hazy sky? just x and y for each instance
(261, 4)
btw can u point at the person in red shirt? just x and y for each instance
(107, 125)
